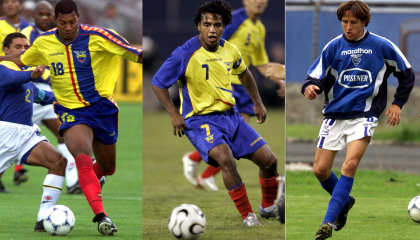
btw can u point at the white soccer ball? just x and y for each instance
(59, 220)
(187, 222)
(414, 209)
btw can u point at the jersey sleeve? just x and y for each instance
(42, 97)
(260, 57)
(114, 44)
(33, 56)
(10, 78)
(239, 65)
(170, 71)
(402, 70)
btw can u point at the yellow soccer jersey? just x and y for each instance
(85, 69)
(249, 38)
(203, 76)
(6, 28)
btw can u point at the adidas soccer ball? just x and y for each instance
(414, 209)
(59, 220)
(187, 222)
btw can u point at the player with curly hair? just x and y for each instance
(202, 67)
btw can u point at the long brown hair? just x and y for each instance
(357, 8)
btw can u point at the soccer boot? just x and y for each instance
(105, 225)
(3, 188)
(267, 214)
(208, 183)
(190, 170)
(251, 220)
(39, 226)
(20, 177)
(75, 189)
(280, 203)
(325, 231)
(342, 217)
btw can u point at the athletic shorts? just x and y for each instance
(244, 103)
(17, 142)
(102, 117)
(336, 134)
(42, 112)
(210, 130)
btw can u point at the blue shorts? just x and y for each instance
(244, 103)
(102, 117)
(210, 130)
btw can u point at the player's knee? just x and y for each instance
(269, 161)
(349, 167)
(225, 161)
(59, 163)
(321, 172)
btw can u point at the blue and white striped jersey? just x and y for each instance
(353, 75)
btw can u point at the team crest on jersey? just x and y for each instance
(209, 138)
(228, 66)
(80, 55)
(356, 58)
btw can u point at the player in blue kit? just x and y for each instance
(352, 71)
(202, 67)
(20, 139)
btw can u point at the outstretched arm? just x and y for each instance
(177, 120)
(12, 58)
(10, 78)
(248, 82)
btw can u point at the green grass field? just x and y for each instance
(122, 193)
(380, 211)
(165, 186)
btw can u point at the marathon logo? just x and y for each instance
(256, 140)
(56, 54)
(355, 78)
(357, 51)
(213, 59)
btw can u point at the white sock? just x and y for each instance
(71, 170)
(52, 189)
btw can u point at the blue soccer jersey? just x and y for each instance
(17, 94)
(353, 75)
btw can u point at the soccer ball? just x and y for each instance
(187, 222)
(414, 209)
(59, 220)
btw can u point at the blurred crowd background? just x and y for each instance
(168, 24)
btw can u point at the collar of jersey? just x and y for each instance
(12, 25)
(358, 41)
(68, 43)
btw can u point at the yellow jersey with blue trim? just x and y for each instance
(85, 69)
(249, 38)
(203, 76)
(7, 28)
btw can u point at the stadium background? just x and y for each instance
(312, 24)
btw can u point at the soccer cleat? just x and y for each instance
(102, 181)
(20, 177)
(190, 170)
(267, 214)
(105, 225)
(325, 231)
(3, 188)
(75, 189)
(342, 217)
(209, 183)
(39, 226)
(280, 203)
(251, 220)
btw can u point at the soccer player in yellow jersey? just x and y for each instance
(83, 62)
(202, 67)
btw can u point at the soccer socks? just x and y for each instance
(269, 188)
(195, 156)
(330, 183)
(339, 198)
(99, 173)
(18, 168)
(89, 183)
(52, 189)
(71, 170)
(240, 198)
(210, 171)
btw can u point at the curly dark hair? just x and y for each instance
(65, 7)
(215, 7)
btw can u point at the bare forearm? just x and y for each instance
(165, 99)
(12, 58)
(249, 84)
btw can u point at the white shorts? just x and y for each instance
(336, 134)
(15, 141)
(43, 112)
